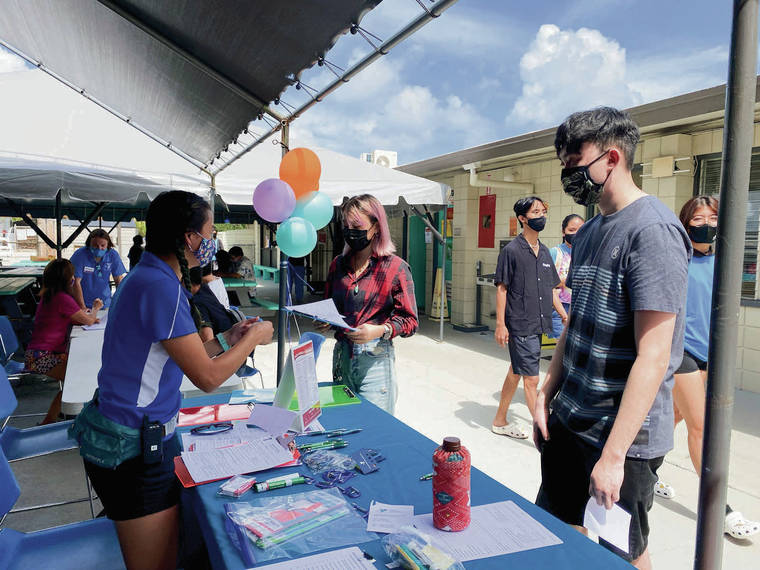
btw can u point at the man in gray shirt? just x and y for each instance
(610, 380)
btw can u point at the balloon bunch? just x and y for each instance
(293, 200)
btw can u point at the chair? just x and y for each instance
(19, 444)
(88, 544)
(8, 346)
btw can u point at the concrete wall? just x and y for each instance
(542, 169)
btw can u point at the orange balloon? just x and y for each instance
(301, 169)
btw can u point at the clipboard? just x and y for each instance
(329, 396)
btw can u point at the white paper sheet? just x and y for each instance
(389, 518)
(97, 326)
(271, 418)
(344, 559)
(613, 525)
(324, 311)
(495, 529)
(227, 461)
(240, 432)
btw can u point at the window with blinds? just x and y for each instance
(709, 183)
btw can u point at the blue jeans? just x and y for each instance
(296, 280)
(557, 325)
(368, 370)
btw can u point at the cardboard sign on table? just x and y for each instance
(300, 376)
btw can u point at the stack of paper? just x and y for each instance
(224, 462)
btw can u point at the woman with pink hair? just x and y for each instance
(374, 291)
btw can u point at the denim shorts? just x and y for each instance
(566, 465)
(134, 489)
(369, 370)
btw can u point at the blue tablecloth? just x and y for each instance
(408, 456)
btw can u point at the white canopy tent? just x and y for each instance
(342, 177)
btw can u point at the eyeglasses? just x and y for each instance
(212, 429)
(701, 220)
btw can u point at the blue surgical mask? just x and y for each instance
(206, 251)
(97, 252)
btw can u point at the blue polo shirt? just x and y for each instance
(95, 275)
(699, 304)
(137, 376)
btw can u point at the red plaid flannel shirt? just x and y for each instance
(384, 293)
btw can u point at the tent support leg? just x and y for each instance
(83, 224)
(282, 317)
(120, 220)
(729, 260)
(58, 232)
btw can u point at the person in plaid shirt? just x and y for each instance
(373, 289)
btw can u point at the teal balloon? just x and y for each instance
(315, 207)
(296, 237)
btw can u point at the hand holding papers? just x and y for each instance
(613, 525)
(324, 311)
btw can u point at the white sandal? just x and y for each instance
(510, 430)
(664, 490)
(739, 527)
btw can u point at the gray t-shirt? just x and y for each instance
(633, 260)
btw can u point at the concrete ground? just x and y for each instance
(452, 388)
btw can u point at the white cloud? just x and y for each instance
(567, 70)
(10, 63)
(564, 71)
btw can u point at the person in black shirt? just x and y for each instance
(525, 292)
(215, 318)
(136, 251)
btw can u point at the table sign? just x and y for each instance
(300, 377)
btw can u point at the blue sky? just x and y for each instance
(485, 70)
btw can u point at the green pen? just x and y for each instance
(281, 484)
(426, 476)
(329, 444)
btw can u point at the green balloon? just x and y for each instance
(315, 207)
(296, 237)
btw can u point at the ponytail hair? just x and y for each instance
(170, 216)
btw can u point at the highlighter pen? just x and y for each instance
(281, 484)
(411, 560)
(427, 476)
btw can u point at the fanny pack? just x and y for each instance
(104, 442)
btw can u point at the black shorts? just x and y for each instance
(524, 354)
(134, 489)
(566, 465)
(690, 363)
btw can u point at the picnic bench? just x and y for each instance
(14, 292)
(267, 272)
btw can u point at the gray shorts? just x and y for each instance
(525, 352)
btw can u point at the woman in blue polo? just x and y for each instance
(94, 265)
(151, 338)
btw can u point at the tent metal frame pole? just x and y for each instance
(205, 68)
(99, 207)
(123, 217)
(738, 134)
(444, 252)
(282, 317)
(383, 49)
(30, 222)
(58, 230)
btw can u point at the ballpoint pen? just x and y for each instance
(329, 444)
(333, 432)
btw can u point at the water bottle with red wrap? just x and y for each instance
(451, 486)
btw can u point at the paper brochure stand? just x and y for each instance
(300, 376)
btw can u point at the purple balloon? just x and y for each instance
(274, 200)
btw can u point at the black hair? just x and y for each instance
(206, 270)
(603, 126)
(99, 233)
(523, 206)
(223, 261)
(137, 240)
(170, 216)
(569, 218)
(56, 278)
(236, 250)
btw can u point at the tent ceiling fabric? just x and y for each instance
(132, 72)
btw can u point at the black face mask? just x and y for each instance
(578, 184)
(569, 238)
(537, 224)
(702, 234)
(356, 239)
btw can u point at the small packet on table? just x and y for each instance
(236, 486)
(412, 550)
(327, 459)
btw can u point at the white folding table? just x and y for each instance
(83, 367)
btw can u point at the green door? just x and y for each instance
(417, 258)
